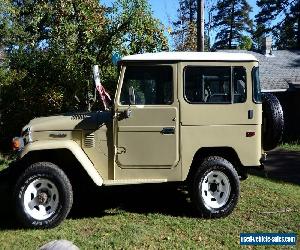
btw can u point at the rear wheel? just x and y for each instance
(43, 196)
(215, 188)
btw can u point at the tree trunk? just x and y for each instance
(191, 11)
(231, 25)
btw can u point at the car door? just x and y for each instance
(148, 137)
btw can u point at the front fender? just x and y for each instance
(73, 147)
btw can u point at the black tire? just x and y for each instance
(55, 195)
(204, 204)
(273, 121)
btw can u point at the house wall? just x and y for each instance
(290, 101)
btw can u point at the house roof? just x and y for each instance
(279, 71)
(191, 56)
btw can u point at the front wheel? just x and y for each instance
(43, 196)
(215, 188)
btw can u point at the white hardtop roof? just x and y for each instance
(191, 56)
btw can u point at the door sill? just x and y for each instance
(132, 182)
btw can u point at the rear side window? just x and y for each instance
(215, 84)
(152, 85)
(256, 85)
(239, 84)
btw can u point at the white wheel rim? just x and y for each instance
(41, 199)
(215, 189)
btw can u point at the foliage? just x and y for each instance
(5, 161)
(50, 47)
(231, 20)
(291, 146)
(245, 43)
(140, 32)
(185, 27)
(281, 18)
(184, 32)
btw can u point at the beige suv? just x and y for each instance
(194, 118)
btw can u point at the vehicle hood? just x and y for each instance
(71, 121)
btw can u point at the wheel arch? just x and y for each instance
(227, 153)
(67, 155)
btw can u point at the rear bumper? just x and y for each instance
(263, 158)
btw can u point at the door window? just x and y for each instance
(150, 85)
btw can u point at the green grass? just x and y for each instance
(292, 146)
(264, 206)
(4, 161)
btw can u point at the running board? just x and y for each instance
(132, 182)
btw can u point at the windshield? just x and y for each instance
(256, 85)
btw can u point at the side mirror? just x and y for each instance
(131, 96)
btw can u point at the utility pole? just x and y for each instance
(200, 25)
(298, 16)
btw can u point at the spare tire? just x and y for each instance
(273, 121)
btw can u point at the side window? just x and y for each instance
(239, 85)
(215, 84)
(256, 85)
(152, 85)
(208, 84)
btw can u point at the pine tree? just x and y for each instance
(286, 30)
(231, 22)
(185, 28)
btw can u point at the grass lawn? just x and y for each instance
(4, 161)
(143, 218)
(293, 146)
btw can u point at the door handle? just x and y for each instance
(168, 131)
